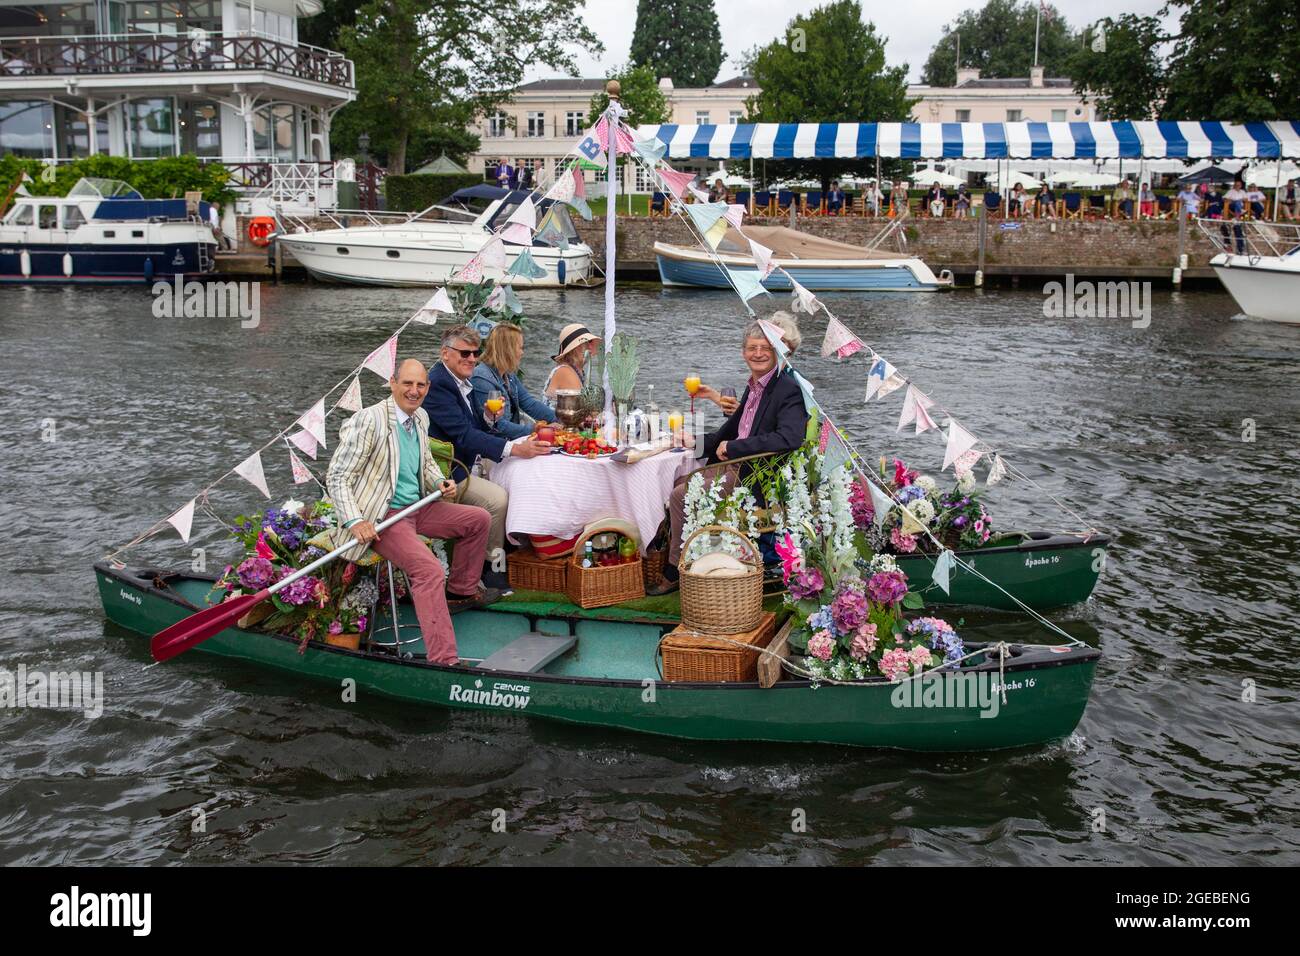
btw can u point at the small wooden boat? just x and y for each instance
(600, 668)
(1041, 569)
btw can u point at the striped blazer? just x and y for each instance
(363, 471)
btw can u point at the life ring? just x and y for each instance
(260, 229)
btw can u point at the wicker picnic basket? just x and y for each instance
(718, 604)
(652, 566)
(689, 656)
(529, 571)
(601, 587)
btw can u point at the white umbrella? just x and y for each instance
(1063, 177)
(928, 177)
(1272, 174)
(1096, 181)
(1011, 177)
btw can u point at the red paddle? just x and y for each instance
(201, 625)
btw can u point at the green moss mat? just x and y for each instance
(667, 608)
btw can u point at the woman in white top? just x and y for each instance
(576, 344)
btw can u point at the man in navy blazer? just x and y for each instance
(452, 419)
(770, 418)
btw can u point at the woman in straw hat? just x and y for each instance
(576, 345)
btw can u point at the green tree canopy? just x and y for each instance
(421, 63)
(828, 68)
(1126, 77)
(998, 40)
(639, 94)
(678, 39)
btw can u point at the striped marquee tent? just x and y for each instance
(1101, 140)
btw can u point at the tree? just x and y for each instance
(1236, 60)
(1126, 79)
(828, 68)
(678, 39)
(323, 29)
(998, 39)
(423, 62)
(639, 94)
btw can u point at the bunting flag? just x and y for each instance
(623, 140)
(493, 253)
(651, 150)
(580, 205)
(801, 300)
(526, 267)
(960, 441)
(313, 422)
(677, 182)
(706, 215)
(881, 502)
(512, 303)
(892, 383)
(852, 347)
(735, 214)
(942, 567)
(806, 387)
(838, 337)
(472, 272)
(913, 400)
(517, 234)
(579, 183)
(564, 188)
(965, 462)
(997, 471)
(837, 453)
(762, 258)
(881, 371)
(351, 400)
(383, 360)
(923, 420)
(440, 302)
(250, 469)
(525, 214)
(551, 235)
(182, 519)
(300, 472)
(774, 333)
(701, 195)
(747, 283)
(496, 298)
(305, 443)
(824, 437)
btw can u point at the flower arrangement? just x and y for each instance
(706, 504)
(957, 517)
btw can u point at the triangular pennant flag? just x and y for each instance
(551, 235)
(837, 336)
(580, 204)
(774, 333)
(300, 472)
(964, 462)
(493, 253)
(563, 189)
(526, 267)
(512, 304)
(881, 502)
(923, 420)
(182, 520)
(824, 437)
(701, 195)
(735, 214)
(517, 234)
(651, 150)
(472, 272)
(383, 360)
(997, 471)
(892, 383)
(313, 422)
(852, 347)
(525, 214)
(496, 298)
(706, 215)
(837, 453)
(746, 281)
(250, 469)
(623, 140)
(440, 302)
(714, 236)
(913, 400)
(579, 182)
(879, 373)
(305, 443)
(762, 258)
(806, 387)
(801, 299)
(677, 182)
(959, 442)
(351, 400)
(942, 567)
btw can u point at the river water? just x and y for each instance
(1142, 432)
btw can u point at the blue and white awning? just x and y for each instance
(1101, 140)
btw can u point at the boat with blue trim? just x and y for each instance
(816, 263)
(104, 231)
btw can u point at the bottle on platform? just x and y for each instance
(588, 557)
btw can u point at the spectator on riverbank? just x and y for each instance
(1123, 199)
(1147, 201)
(214, 220)
(1235, 199)
(1255, 196)
(1288, 206)
(1189, 200)
(1047, 202)
(873, 198)
(1016, 201)
(504, 173)
(717, 192)
(961, 205)
(835, 199)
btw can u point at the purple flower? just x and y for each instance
(849, 610)
(256, 573)
(806, 583)
(302, 591)
(960, 521)
(887, 587)
(336, 627)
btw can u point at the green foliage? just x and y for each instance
(640, 96)
(623, 366)
(168, 178)
(470, 303)
(413, 192)
(1126, 79)
(678, 39)
(998, 39)
(913, 601)
(828, 68)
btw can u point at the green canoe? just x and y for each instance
(609, 676)
(1041, 569)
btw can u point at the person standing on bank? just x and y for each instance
(382, 465)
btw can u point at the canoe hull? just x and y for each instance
(1047, 572)
(679, 266)
(1047, 690)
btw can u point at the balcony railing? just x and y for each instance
(198, 51)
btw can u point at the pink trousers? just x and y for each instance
(466, 524)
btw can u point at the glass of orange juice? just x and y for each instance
(675, 422)
(692, 384)
(495, 402)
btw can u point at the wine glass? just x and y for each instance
(675, 422)
(727, 392)
(495, 402)
(692, 384)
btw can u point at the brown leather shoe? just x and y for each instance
(482, 598)
(663, 587)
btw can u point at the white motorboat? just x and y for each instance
(1259, 266)
(421, 251)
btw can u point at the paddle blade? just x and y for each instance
(201, 625)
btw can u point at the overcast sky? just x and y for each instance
(912, 28)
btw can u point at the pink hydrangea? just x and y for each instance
(920, 657)
(336, 627)
(860, 505)
(821, 645)
(894, 663)
(806, 584)
(903, 543)
(887, 587)
(849, 609)
(864, 642)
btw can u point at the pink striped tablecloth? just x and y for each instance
(559, 496)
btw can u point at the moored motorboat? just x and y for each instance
(1036, 694)
(1260, 266)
